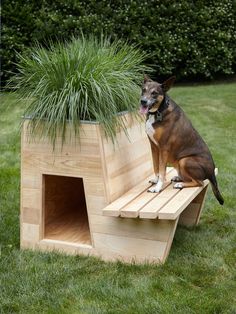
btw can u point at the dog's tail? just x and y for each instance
(215, 189)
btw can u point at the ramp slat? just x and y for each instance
(115, 207)
(177, 204)
(132, 209)
(150, 211)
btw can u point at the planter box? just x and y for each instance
(64, 191)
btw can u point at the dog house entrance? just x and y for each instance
(65, 211)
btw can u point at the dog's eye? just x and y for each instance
(144, 90)
(154, 93)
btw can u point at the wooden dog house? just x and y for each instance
(89, 196)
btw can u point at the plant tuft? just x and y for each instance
(87, 78)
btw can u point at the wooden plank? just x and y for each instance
(128, 162)
(177, 204)
(132, 228)
(121, 168)
(67, 247)
(132, 209)
(136, 132)
(81, 165)
(31, 198)
(29, 232)
(86, 131)
(114, 208)
(30, 215)
(191, 215)
(95, 203)
(129, 248)
(170, 239)
(119, 185)
(31, 178)
(106, 186)
(150, 211)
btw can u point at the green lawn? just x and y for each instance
(199, 276)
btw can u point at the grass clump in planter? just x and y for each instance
(84, 79)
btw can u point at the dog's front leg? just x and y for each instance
(155, 160)
(163, 156)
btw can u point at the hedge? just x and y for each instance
(187, 38)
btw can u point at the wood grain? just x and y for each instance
(132, 209)
(70, 195)
(177, 204)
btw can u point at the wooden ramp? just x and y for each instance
(171, 205)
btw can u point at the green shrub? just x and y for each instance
(85, 79)
(187, 38)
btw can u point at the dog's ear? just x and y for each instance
(168, 83)
(146, 79)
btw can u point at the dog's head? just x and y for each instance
(153, 93)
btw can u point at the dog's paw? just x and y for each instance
(154, 189)
(154, 181)
(176, 179)
(178, 185)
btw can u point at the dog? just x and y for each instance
(174, 140)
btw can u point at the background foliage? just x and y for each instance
(189, 38)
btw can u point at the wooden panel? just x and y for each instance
(81, 165)
(30, 232)
(87, 132)
(31, 215)
(176, 205)
(126, 181)
(95, 204)
(30, 177)
(114, 208)
(68, 247)
(129, 248)
(129, 162)
(134, 228)
(170, 239)
(191, 215)
(86, 148)
(135, 132)
(132, 209)
(31, 198)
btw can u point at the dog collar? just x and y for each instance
(158, 113)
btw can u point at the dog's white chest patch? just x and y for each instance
(149, 128)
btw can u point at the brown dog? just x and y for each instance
(174, 140)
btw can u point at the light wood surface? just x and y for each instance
(191, 215)
(90, 197)
(181, 200)
(168, 204)
(133, 208)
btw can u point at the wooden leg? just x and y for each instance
(170, 239)
(191, 215)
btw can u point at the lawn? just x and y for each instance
(199, 275)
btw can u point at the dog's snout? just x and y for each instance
(144, 102)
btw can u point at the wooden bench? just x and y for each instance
(168, 208)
